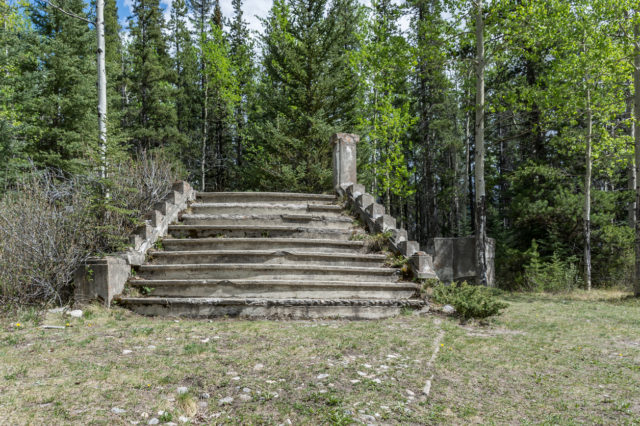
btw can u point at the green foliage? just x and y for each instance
(307, 92)
(151, 114)
(553, 276)
(470, 301)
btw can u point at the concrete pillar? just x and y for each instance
(344, 160)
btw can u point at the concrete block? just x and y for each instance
(364, 200)
(145, 231)
(385, 223)
(354, 190)
(136, 241)
(176, 198)
(344, 160)
(156, 218)
(408, 248)
(101, 278)
(163, 207)
(374, 211)
(421, 265)
(398, 235)
(182, 187)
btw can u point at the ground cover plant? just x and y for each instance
(554, 359)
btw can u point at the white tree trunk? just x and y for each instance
(587, 195)
(102, 88)
(636, 111)
(481, 211)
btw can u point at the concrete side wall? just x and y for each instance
(448, 259)
(103, 278)
(454, 259)
(374, 217)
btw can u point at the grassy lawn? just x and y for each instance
(546, 359)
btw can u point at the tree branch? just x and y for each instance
(73, 15)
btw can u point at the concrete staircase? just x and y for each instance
(267, 255)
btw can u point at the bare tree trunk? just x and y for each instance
(205, 113)
(102, 88)
(481, 213)
(636, 111)
(587, 196)
(632, 166)
(467, 174)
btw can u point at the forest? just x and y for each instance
(231, 109)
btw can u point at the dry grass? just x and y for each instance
(553, 359)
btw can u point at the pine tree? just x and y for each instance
(18, 60)
(241, 52)
(151, 105)
(114, 61)
(64, 135)
(185, 63)
(308, 91)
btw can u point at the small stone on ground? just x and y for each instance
(225, 401)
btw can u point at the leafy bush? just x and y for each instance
(50, 223)
(470, 301)
(554, 276)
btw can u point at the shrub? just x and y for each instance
(554, 276)
(43, 239)
(50, 223)
(469, 301)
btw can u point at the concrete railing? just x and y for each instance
(103, 278)
(372, 214)
(448, 259)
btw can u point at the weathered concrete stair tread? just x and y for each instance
(258, 231)
(294, 255)
(275, 196)
(257, 271)
(267, 302)
(278, 267)
(309, 220)
(308, 308)
(400, 285)
(300, 244)
(290, 217)
(303, 206)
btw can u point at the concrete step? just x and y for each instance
(231, 271)
(252, 231)
(266, 257)
(288, 244)
(271, 308)
(277, 289)
(304, 219)
(266, 208)
(274, 197)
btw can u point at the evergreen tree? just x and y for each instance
(151, 105)
(308, 91)
(18, 49)
(64, 134)
(241, 53)
(185, 64)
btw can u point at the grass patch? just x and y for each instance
(568, 358)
